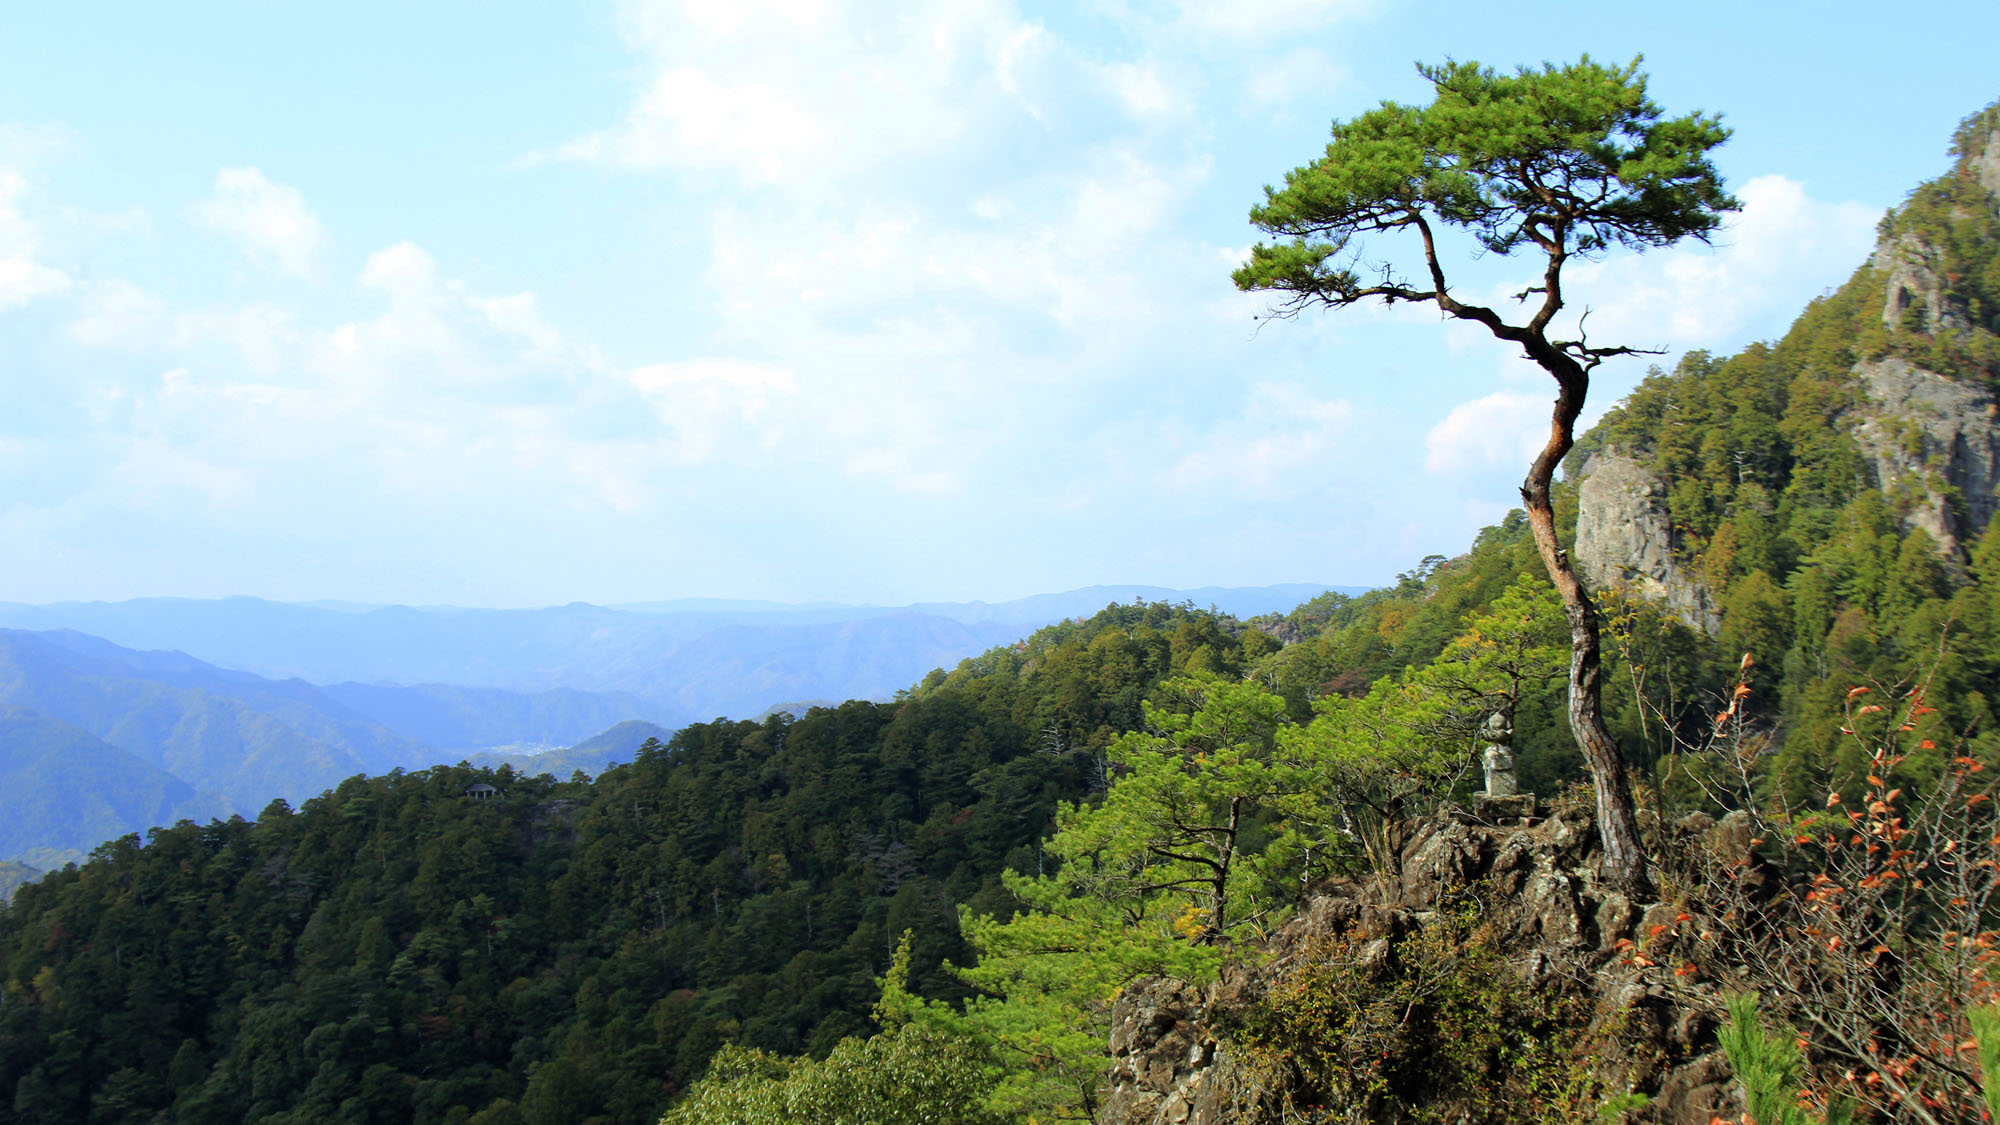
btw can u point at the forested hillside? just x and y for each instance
(578, 949)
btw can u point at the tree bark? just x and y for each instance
(1626, 866)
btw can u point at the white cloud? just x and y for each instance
(955, 231)
(27, 146)
(263, 337)
(690, 119)
(269, 220)
(1300, 73)
(1503, 429)
(118, 314)
(22, 277)
(1282, 442)
(1266, 19)
(937, 246)
(805, 92)
(898, 467)
(1767, 261)
(716, 404)
(405, 271)
(443, 392)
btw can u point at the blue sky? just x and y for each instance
(518, 304)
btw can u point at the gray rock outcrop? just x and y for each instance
(1984, 159)
(1564, 936)
(1624, 539)
(1935, 446)
(1914, 282)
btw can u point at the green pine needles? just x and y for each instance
(1770, 1067)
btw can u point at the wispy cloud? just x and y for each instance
(1500, 430)
(23, 277)
(1768, 259)
(269, 221)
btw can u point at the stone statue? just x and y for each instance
(1498, 760)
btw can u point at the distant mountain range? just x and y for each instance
(14, 874)
(667, 662)
(97, 740)
(117, 717)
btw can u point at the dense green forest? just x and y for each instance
(575, 948)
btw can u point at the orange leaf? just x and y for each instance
(1854, 691)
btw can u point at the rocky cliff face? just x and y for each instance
(1917, 295)
(1984, 159)
(1933, 441)
(1181, 1056)
(1624, 539)
(1935, 445)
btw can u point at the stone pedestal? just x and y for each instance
(1498, 809)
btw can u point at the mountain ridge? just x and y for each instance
(683, 664)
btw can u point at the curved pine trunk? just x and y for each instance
(1625, 862)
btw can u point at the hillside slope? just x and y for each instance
(64, 791)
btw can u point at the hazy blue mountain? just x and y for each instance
(690, 658)
(451, 718)
(309, 710)
(740, 670)
(65, 790)
(593, 755)
(577, 645)
(735, 606)
(14, 874)
(1042, 609)
(201, 724)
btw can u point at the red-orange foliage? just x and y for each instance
(1869, 924)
